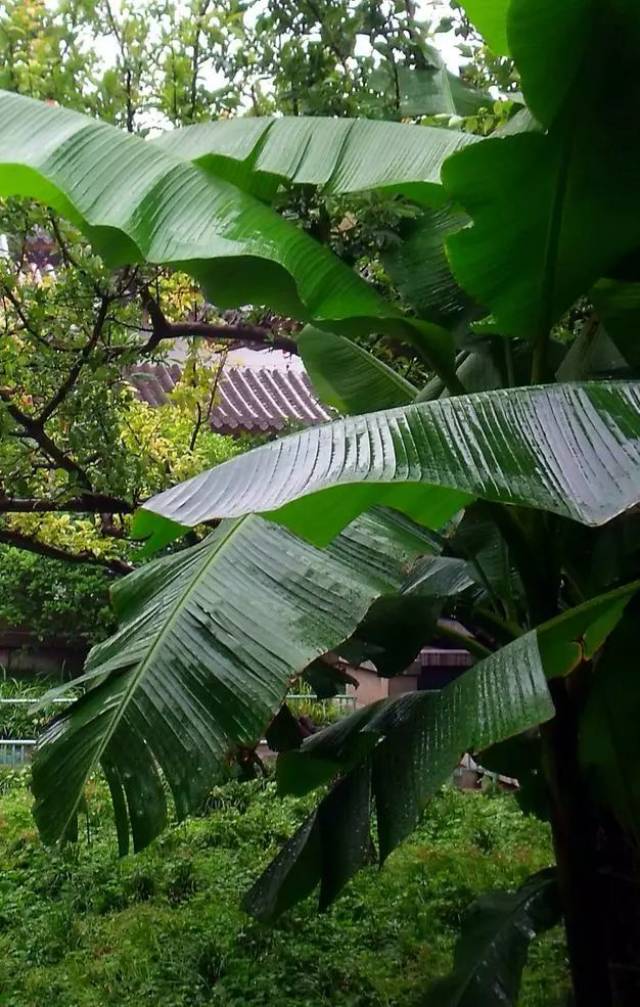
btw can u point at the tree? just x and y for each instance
(532, 480)
(70, 469)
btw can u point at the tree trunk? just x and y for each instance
(598, 869)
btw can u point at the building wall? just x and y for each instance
(23, 656)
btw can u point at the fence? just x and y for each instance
(18, 751)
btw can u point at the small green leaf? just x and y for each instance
(492, 950)
(347, 377)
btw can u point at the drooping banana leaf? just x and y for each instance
(134, 201)
(138, 200)
(407, 747)
(549, 190)
(573, 450)
(400, 751)
(491, 952)
(347, 377)
(209, 640)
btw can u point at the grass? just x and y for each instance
(80, 928)
(18, 721)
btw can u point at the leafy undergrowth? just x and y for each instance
(80, 928)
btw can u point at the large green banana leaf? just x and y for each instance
(341, 155)
(137, 202)
(573, 450)
(567, 200)
(490, 18)
(209, 640)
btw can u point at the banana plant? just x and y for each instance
(505, 491)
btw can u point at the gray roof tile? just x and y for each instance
(249, 400)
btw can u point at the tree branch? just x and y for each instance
(164, 329)
(88, 503)
(32, 428)
(19, 541)
(74, 371)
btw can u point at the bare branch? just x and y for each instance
(88, 503)
(161, 329)
(20, 541)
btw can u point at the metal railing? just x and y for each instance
(347, 702)
(18, 751)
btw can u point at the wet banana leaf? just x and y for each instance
(347, 377)
(400, 752)
(209, 640)
(491, 952)
(138, 202)
(414, 742)
(573, 450)
(340, 155)
(550, 189)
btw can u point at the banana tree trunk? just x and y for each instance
(598, 870)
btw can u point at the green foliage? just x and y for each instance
(54, 599)
(82, 929)
(172, 666)
(547, 473)
(19, 721)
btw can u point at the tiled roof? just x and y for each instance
(248, 400)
